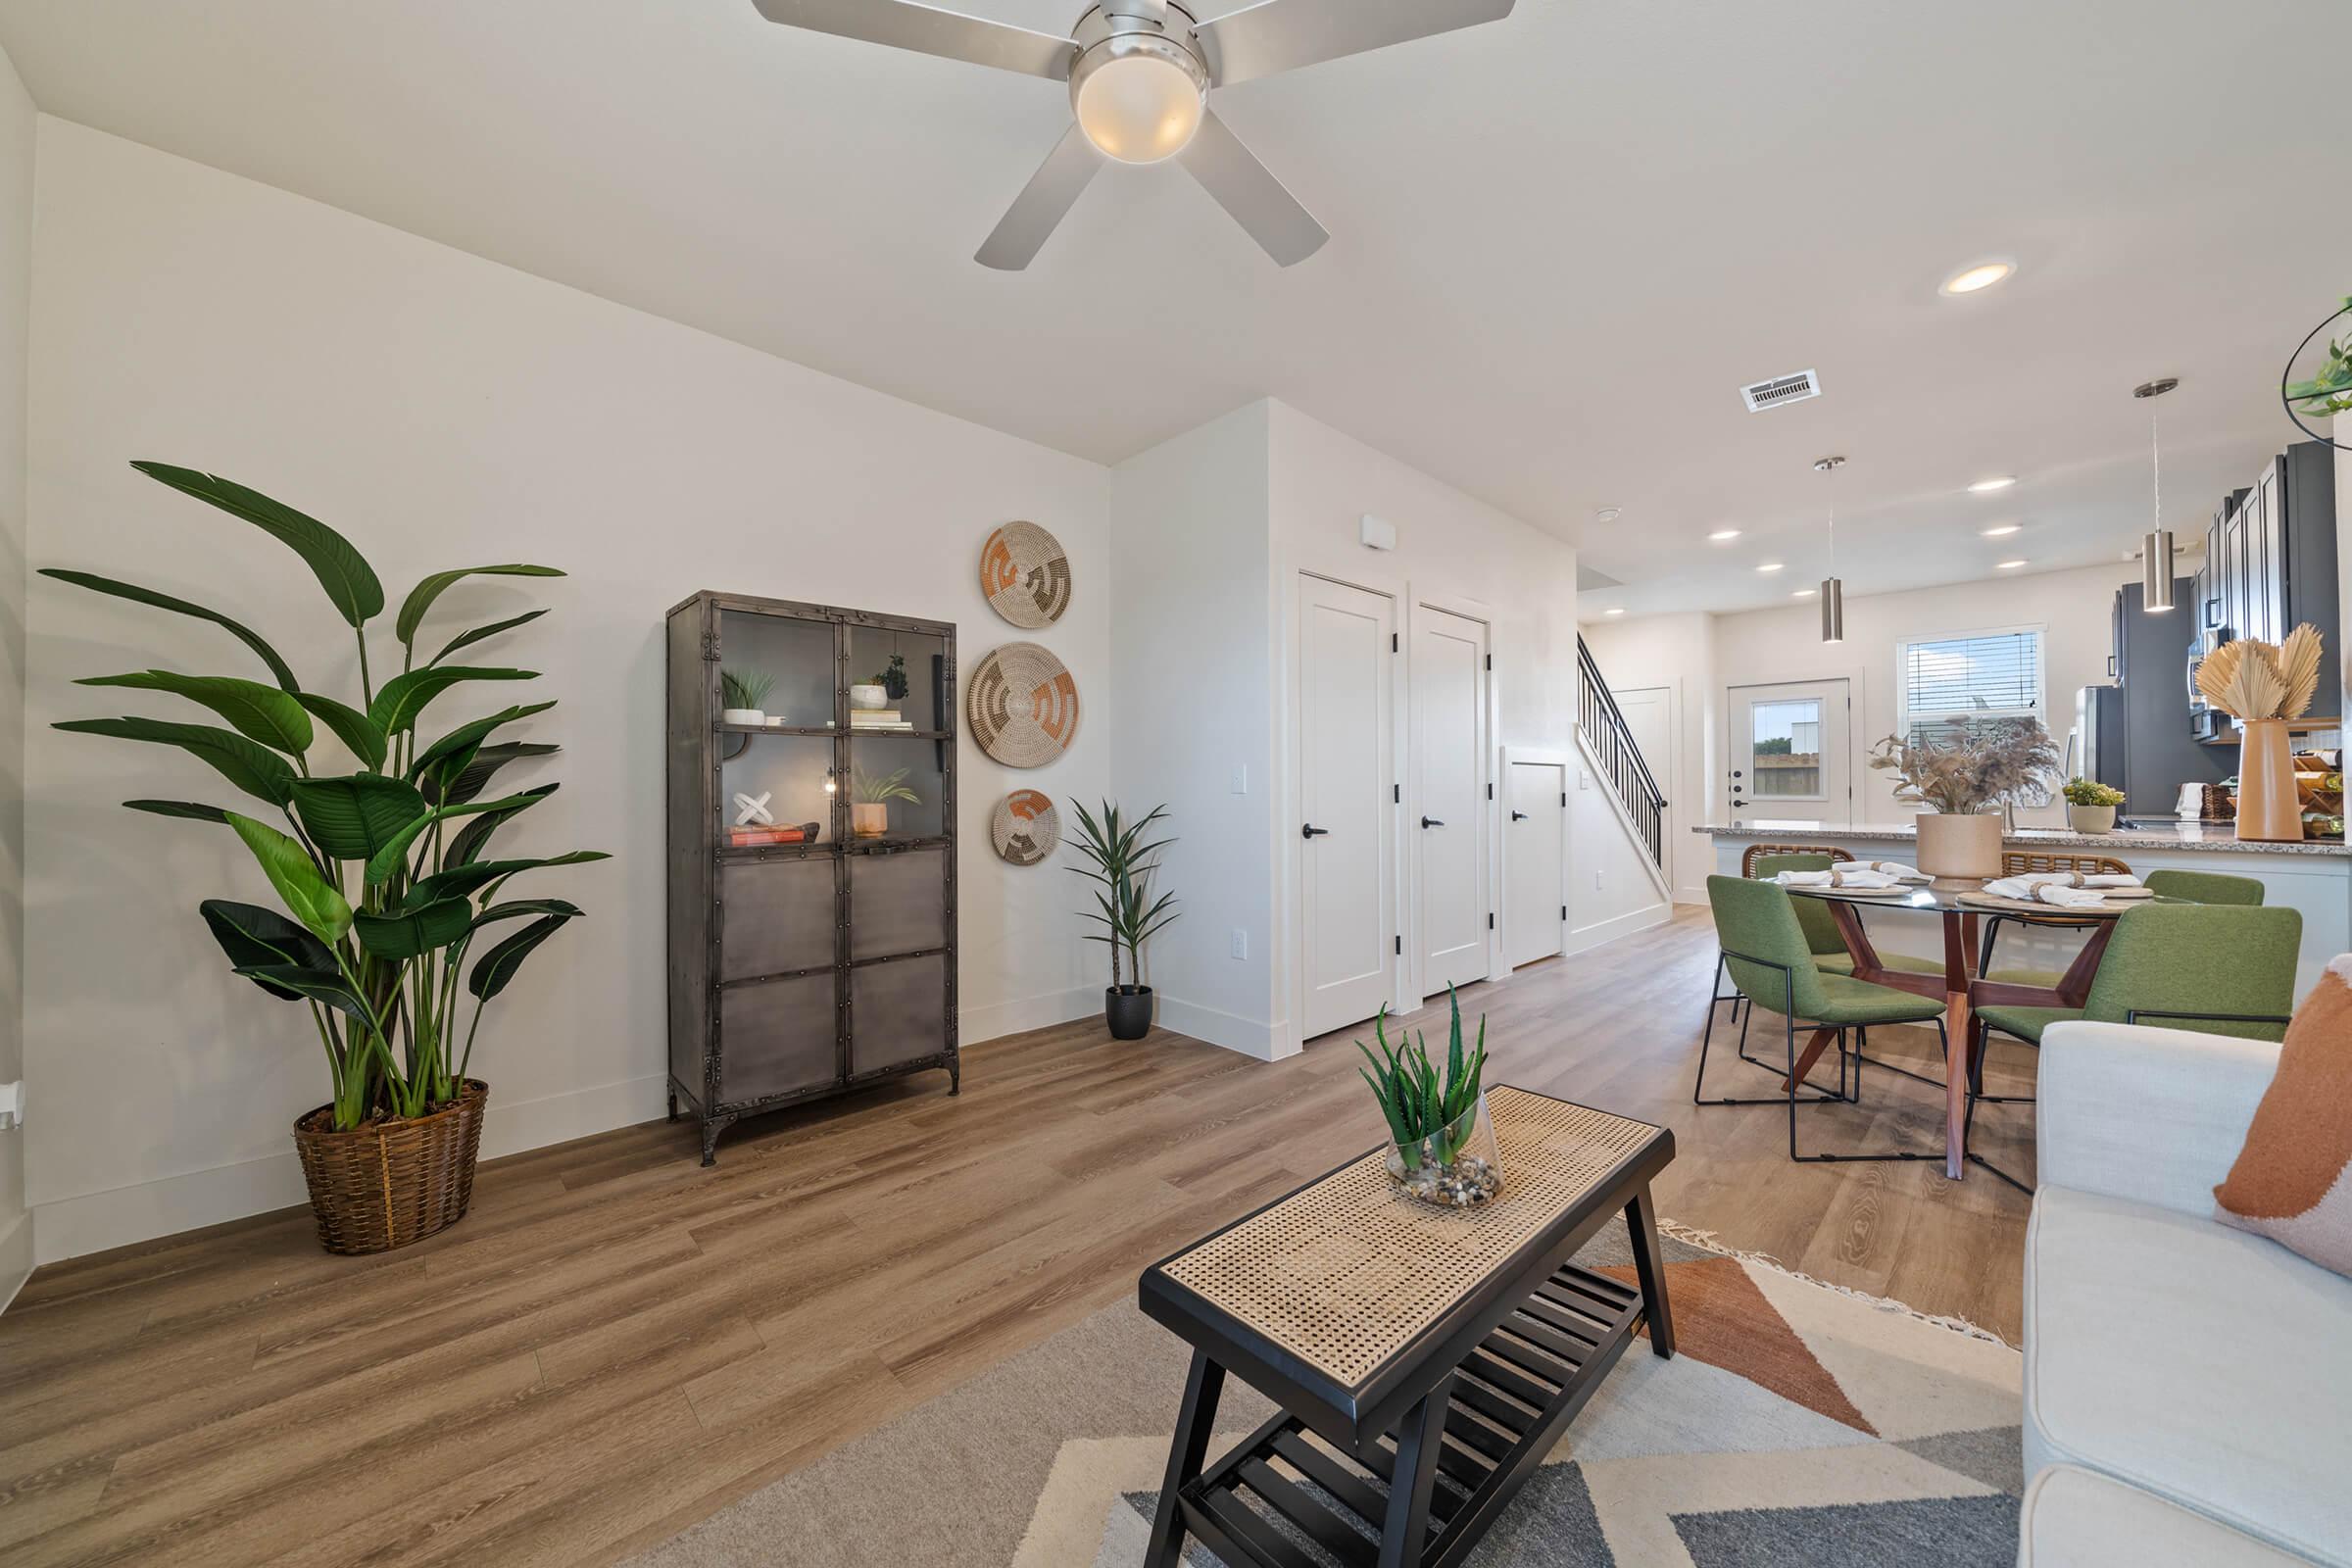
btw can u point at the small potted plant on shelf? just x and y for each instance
(2090, 806)
(893, 680)
(1121, 861)
(1441, 1146)
(869, 805)
(743, 696)
(2265, 687)
(1961, 774)
(386, 883)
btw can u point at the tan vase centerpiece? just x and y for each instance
(1963, 770)
(2265, 687)
(1960, 843)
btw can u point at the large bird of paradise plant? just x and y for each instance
(384, 875)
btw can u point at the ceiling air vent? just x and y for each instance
(1781, 389)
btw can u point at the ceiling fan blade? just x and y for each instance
(1249, 190)
(905, 24)
(1042, 204)
(1284, 35)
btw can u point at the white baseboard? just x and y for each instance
(1262, 1040)
(15, 1256)
(92, 1222)
(1623, 926)
(998, 1018)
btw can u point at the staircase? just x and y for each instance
(1612, 747)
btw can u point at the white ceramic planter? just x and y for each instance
(2090, 818)
(869, 698)
(742, 715)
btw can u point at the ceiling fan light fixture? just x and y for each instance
(1140, 97)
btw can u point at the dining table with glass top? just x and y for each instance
(1959, 903)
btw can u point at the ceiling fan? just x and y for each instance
(1140, 73)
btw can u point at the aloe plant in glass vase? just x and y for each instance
(1441, 1146)
(383, 873)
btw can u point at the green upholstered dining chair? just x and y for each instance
(1822, 939)
(2217, 968)
(2204, 887)
(1766, 953)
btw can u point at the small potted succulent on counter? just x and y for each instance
(2090, 806)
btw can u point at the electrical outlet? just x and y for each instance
(12, 1105)
(1596, 876)
(1240, 942)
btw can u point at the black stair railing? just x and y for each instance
(1621, 761)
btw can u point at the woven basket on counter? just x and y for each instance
(391, 1183)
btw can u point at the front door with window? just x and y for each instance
(1789, 753)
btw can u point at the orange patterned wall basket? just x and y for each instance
(1021, 706)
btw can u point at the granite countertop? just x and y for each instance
(2209, 837)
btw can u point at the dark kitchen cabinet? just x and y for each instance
(2270, 561)
(815, 951)
(2148, 751)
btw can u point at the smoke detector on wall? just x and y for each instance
(1779, 390)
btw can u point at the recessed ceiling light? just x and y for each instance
(1612, 611)
(1772, 565)
(1609, 514)
(1984, 487)
(1720, 534)
(2007, 566)
(1982, 276)
(1804, 593)
(2003, 531)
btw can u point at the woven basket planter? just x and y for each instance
(394, 1182)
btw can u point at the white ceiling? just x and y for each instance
(1560, 241)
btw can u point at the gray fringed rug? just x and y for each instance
(1799, 1424)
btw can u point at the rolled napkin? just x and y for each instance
(1844, 876)
(2069, 898)
(2108, 879)
(1900, 872)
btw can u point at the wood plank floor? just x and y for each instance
(615, 1342)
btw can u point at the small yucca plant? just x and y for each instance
(1418, 1102)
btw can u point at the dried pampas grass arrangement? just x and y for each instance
(2251, 679)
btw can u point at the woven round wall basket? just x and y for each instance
(1021, 706)
(393, 1182)
(1025, 576)
(1026, 828)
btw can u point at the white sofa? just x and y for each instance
(2188, 1387)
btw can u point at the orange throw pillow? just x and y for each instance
(2293, 1180)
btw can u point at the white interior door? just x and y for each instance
(1649, 718)
(1535, 840)
(1448, 830)
(1347, 857)
(1788, 750)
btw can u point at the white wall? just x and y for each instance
(1677, 652)
(442, 411)
(1450, 549)
(16, 142)
(2075, 607)
(1191, 660)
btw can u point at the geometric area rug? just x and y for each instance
(1798, 1426)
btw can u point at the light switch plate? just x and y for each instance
(1240, 942)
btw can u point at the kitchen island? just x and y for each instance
(2314, 877)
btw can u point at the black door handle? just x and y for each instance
(1310, 831)
(1518, 817)
(1431, 821)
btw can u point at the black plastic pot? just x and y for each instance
(1128, 1009)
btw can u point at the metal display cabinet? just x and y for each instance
(817, 957)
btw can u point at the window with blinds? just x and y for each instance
(1976, 679)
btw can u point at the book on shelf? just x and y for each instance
(744, 838)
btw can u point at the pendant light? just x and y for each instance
(2156, 551)
(1832, 587)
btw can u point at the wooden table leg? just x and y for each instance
(1649, 1265)
(1187, 1452)
(1406, 1531)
